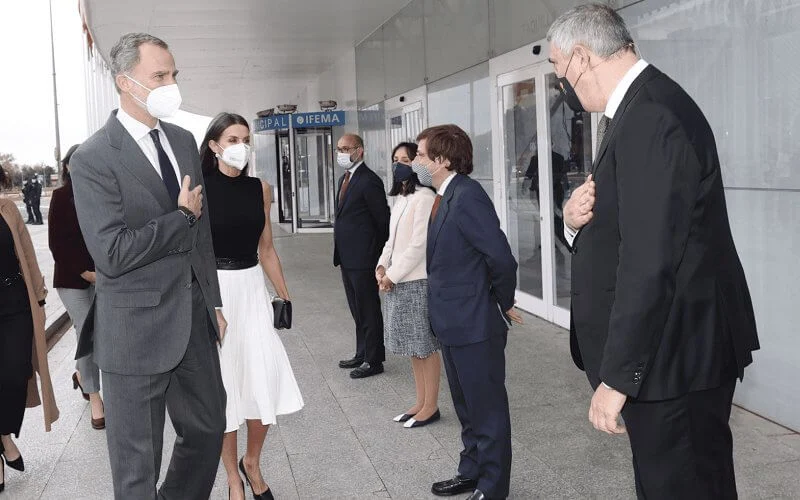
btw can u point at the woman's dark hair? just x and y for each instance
(5, 180)
(222, 121)
(65, 164)
(411, 149)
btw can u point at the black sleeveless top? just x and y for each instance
(236, 209)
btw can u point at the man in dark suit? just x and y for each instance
(472, 278)
(662, 320)
(153, 326)
(36, 200)
(26, 197)
(360, 231)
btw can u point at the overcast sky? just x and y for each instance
(26, 86)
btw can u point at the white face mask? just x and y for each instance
(162, 102)
(235, 156)
(344, 160)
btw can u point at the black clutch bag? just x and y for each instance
(282, 313)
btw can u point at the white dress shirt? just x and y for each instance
(614, 100)
(355, 166)
(141, 134)
(444, 185)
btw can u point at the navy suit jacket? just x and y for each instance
(362, 222)
(472, 274)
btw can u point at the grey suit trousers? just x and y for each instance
(77, 303)
(193, 395)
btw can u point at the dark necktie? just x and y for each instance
(602, 126)
(167, 170)
(435, 208)
(343, 189)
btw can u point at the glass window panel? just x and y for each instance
(463, 99)
(370, 75)
(404, 50)
(456, 35)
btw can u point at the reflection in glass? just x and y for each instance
(524, 224)
(314, 176)
(570, 163)
(285, 174)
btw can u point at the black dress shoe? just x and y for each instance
(367, 370)
(477, 495)
(458, 484)
(353, 362)
(422, 423)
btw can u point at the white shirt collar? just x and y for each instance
(615, 99)
(137, 129)
(353, 169)
(444, 185)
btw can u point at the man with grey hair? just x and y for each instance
(153, 325)
(662, 320)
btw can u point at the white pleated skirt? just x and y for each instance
(256, 372)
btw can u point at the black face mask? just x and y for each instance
(569, 91)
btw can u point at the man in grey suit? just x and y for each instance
(154, 327)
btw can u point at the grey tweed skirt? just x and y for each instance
(407, 328)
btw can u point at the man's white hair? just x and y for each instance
(594, 25)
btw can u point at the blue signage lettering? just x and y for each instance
(274, 122)
(319, 119)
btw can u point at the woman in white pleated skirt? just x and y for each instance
(256, 372)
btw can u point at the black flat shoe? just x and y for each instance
(367, 370)
(353, 362)
(77, 385)
(422, 423)
(458, 484)
(266, 495)
(403, 417)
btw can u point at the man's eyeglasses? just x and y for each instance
(347, 149)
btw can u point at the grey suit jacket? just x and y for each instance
(144, 252)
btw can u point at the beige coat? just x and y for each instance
(36, 292)
(404, 254)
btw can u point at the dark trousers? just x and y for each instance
(37, 213)
(31, 218)
(16, 349)
(682, 448)
(477, 374)
(193, 395)
(365, 306)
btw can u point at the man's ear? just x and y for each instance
(582, 54)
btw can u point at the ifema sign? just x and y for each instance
(300, 120)
(320, 119)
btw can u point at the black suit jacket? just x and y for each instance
(362, 221)
(660, 305)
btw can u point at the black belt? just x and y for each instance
(226, 264)
(10, 280)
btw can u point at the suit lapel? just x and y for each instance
(441, 214)
(353, 181)
(134, 161)
(646, 75)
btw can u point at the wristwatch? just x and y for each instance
(190, 217)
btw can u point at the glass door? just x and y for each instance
(517, 105)
(545, 153)
(284, 166)
(405, 119)
(314, 182)
(570, 161)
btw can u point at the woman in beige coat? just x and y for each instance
(401, 275)
(23, 347)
